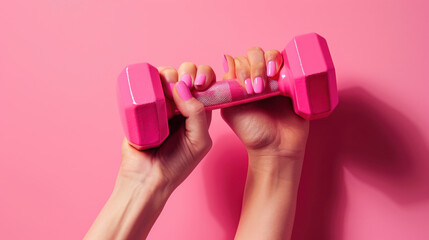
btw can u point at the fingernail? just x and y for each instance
(183, 90)
(271, 69)
(169, 92)
(225, 64)
(248, 85)
(200, 80)
(187, 79)
(258, 85)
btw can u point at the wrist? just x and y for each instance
(139, 197)
(131, 210)
(144, 179)
(135, 206)
(151, 184)
(279, 169)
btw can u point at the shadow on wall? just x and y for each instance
(377, 144)
(225, 176)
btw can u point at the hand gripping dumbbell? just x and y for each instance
(307, 76)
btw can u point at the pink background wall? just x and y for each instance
(366, 171)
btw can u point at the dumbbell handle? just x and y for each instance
(307, 76)
(230, 93)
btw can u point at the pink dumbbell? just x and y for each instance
(307, 76)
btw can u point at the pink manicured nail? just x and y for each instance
(248, 85)
(258, 85)
(271, 69)
(187, 79)
(200, 80)
(225, 64)
(183, 90)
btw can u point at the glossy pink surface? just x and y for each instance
(183, 91)
(366, 171)
(142, 106)
(307, 76)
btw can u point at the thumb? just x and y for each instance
(196, 124)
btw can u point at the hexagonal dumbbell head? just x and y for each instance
(308, 76)
(142, 106)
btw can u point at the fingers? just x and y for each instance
(187, 72)
(177, 86)
(253, 72)
(197, 123)
(204, 78)
(273, 61)
(199, 78)
(229, 67)
(258, 74)
(168, 77)
(242, 71)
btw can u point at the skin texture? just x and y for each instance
(147, 178)
(275, 138)
(273, 135)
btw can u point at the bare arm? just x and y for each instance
(130, 211)
(269, 199)
(147, 178)
(275, 139)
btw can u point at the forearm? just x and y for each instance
(130, 211)
(269, 198)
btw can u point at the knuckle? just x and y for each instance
(242, 73)
(197, 108)
(188, 65)
(171, 71)
(167, 69)
(240, 62)
(273, 55)
(204, 67)
(258, 67)
(241, 59)
(255, 49)
(273, 52)
(237, 63)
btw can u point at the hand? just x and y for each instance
(275, 138)
(147, 178)
(269, 127)
(189, 140)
